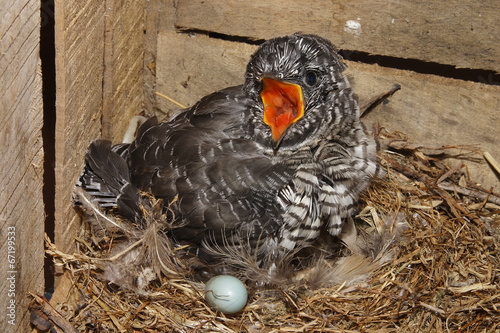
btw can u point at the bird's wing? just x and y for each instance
(106, 178)
(223, 179)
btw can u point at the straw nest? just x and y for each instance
(422, 257)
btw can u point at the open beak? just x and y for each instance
(283, 105)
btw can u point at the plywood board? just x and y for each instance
(459, 33)
(21, 163)
(431, 109)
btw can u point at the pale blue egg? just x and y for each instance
(226, 294)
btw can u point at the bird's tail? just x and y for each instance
(106, 179)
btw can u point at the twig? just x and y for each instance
(128, 249)
(41, 309)
(374, 102)
(492, 162)
(465, 191)
(449, 172)
(170, 100)
(432, 308)
(108, 310)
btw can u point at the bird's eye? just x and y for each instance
(311, 78)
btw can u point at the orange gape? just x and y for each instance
(283, 105)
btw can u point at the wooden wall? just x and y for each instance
(458, 33)
(21, 162)
(186, 49)
(431, 109)
(99, 66)
(100, 87)
(99, 82)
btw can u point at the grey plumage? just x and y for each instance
(242, 178)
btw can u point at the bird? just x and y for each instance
(267, 166)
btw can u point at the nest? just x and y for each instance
(435, 266)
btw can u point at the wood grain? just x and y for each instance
(457, 33)
(123, 94)
(99, 88)
(190, 67)
(430, 109)
(435, 110)
(79, 38)
(21, 162)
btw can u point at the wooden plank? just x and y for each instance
(429, 108)
(458, 33)
(156, 13)
(435, 110)
(123, 67)
(21, 198)
(99, 87)
(79, 38)
(190, 67)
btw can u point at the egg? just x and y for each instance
(226, 294)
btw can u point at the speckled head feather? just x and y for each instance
(290, 57)
(312, 63)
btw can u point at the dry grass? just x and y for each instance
(445, 276)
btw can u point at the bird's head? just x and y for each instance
(288, 78)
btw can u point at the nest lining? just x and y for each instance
(441, 272)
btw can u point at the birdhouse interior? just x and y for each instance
(417, 252)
